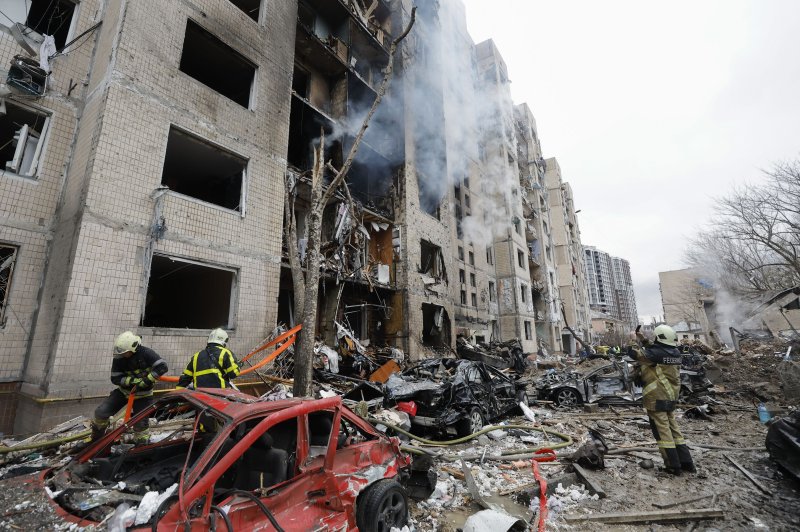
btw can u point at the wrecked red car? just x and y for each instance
(225, 458)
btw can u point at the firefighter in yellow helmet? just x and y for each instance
(213, 367)
(660, 365)
(134, 370)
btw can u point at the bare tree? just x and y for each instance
(305, 282)
(753, 244)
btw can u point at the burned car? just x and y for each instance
(450, 395)
(233, 459)
(613, 383)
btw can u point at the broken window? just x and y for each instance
(474, 299)
(432, 261)
(199, 169)
(523, 292)
(250, 7)
(460, 253)
(45, 17)
(463, 297)
(462, 276)
(471, 258)
(301, 83)
(489, 255)
(216, 65)
(466, 201)
(435, 326)
(22, 138)
(492, 291)
(186, 294)
(8, 257)
(472, 280)
(528, 331)
(521, 259)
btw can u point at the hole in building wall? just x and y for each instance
(216, 65)
(435, 326)
(250, 7)
(201, 170)
(22, 135)
(185, 294)
(8, 258)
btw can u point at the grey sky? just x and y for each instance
(643, 102)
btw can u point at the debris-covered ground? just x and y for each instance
(618, 484)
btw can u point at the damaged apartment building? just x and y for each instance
(146, 150)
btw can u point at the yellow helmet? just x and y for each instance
(218, 336)
(125, 342)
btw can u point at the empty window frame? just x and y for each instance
(474, 299)
(463, 297)
(462, 276)
(523, 293)
(489, 255)
(521, 259)
(432, 261)
(460, 253)
(472, 280)
(250, 7)
(216, 65)
(528, 331)
(199, 169)
(185, 294)
(23, 132)
(471, 258)
(45, 17)
(492, 291)
(8, 257)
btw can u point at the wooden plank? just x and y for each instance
(649, 517)
(685, 500)
(749, 475)
(592, 484)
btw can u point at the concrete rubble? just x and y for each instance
(605, 469)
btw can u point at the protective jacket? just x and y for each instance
(141, 371)
(660, 369)
(213, 367)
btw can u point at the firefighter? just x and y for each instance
(134, 370)
(660, 364)
(213, 367)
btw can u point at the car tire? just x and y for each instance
(470, 424)
(382, 506)
(567, 397)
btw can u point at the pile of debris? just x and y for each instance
(501, 355)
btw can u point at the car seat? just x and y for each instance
(262, 465)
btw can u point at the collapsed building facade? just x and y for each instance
(143, 188)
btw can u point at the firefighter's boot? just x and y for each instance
(685, 457)
(672, 462)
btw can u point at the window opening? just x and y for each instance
(435, 326)
(22, 138)
(201, 170)
(474, 300)
(521, 259)
(471, 258)
(460, 253)
(8, 258)
(186, 294)
(463, 297)
(472, 280)
(45, 17)
(462, 276)
(492, 290)
(528, 331)
(523, 292)
(216, 65)
(489, 255)
(250, 7)
(432, 261)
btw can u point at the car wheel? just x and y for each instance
(470, 424)
(567, 397)
(382, 506)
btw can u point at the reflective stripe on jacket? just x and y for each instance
(213, 367)
(141, 370)
(661, 373)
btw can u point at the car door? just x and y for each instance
(503, 390)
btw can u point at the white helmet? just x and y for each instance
(218, 336)
(666, 335)
(125, 342)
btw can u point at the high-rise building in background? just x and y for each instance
(611, 295)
